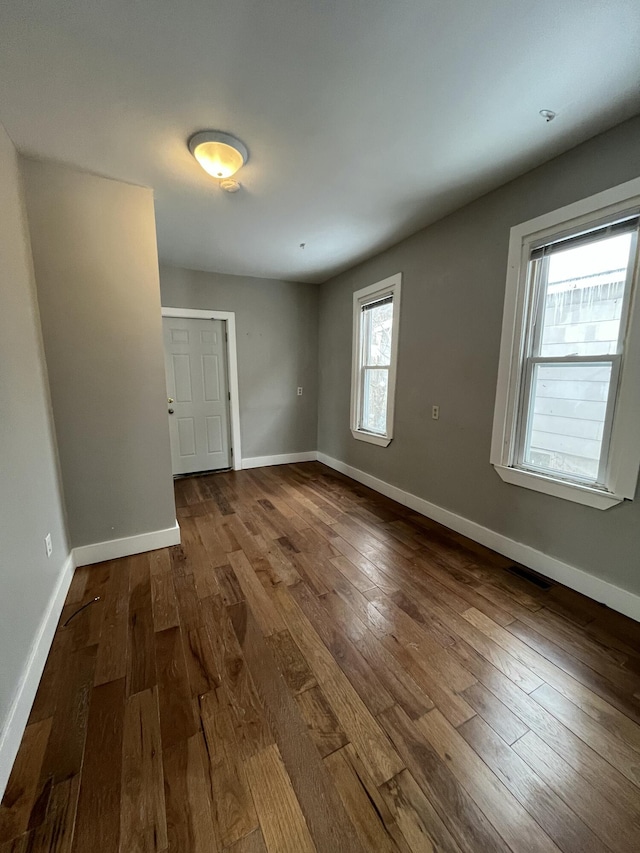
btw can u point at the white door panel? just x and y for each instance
(197, 383)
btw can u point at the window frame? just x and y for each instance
(390, 286)
(621, 476)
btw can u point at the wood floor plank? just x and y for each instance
(263, 608)
(495, 713)
(163, 594)
(355, 667)
(48, 693)
(141, 659)
(111, 661)
(615, 787)
(291, 662)
(324, 728)
(283, 825)
(417, 819)
(607, 822)
(202, 669)
(451, 588)
(360, 727)
(55, 834)
(217, 555)
(485, 645)
(189, 609)
(177, 719)
(188, 806)
(143, 823)
(606, 744)
(615, 689)
(230, 590)
(253, 733)
(418, 640)
(98, 816)
(375, 833)
(308, 776)
(66, 745)
(22, 787)
(17, 845)
(86, 624)
(512, 821)
(398, 682)
(463, 819)
(537, 663)
(233, 811)
(453, 705)
(547, 809)
(253, 843)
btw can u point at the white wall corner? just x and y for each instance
(87, 555)
(11, 735)
(613, 596)
(282, 459)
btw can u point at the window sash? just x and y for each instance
(361, 411)
(525, 418)
(364, 331)
(537, 277)
(611, 229)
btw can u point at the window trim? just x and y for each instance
(624, 453)
(390, 286)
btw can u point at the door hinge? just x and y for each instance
(226, 336)
(229, 394)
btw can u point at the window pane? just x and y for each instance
(583, 298)
(374, 400)
(377, 334)
(566, 421)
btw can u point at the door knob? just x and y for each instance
(170, 411)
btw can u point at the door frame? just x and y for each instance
(229, 318)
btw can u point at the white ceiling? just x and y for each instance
(364, 119)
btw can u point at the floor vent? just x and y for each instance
(532, 577)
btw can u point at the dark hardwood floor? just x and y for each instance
(318, 668)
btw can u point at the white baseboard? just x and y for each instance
(16, 722)
(86, 555)
(282, 459)
(600, 590)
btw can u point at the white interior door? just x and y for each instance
(195, 355)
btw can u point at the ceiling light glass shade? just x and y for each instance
(219, 154)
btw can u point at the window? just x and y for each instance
(376, 310)
(567, 418)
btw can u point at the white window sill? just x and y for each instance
(558, 488)
(371, 437)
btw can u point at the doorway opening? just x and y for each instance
(201, 369)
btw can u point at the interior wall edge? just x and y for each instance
(16, 722)
(619, 599)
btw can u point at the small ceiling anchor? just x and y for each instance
(548, 115)
(80, 609)
(302, 245)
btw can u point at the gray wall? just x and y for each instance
(95, 258)
(453, 290)
(30, 494)
(277, 331)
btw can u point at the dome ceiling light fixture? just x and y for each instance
(219, 154)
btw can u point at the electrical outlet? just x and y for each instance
(299, 390)
(435, 412)
(48, 545)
